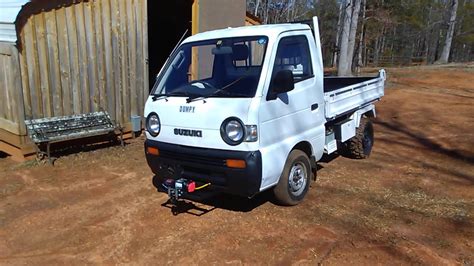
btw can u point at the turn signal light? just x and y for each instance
(153, 151)
(236, 163)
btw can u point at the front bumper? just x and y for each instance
(207, 166)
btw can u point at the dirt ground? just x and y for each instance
(411, 202)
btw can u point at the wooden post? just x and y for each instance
(195, 30)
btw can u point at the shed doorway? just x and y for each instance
(167, 22)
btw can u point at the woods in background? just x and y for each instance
(356, 33)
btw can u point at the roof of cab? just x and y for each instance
(261, 30)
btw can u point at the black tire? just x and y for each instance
(360, 146)
(297, 165)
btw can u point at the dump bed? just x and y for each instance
(343, 95)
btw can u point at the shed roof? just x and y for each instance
(9, 12)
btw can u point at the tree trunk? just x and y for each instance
(352, 35)
(348, 37)
(338, 36)
(288, 11)
(427, 38)
(437, 45)
(376, 51)
(257, 5)
(342, 66)
(360, 62)
(268, 12)
(378, 47)
(449, 35)
(267, 9)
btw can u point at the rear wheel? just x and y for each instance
(295, 179)
(360, 146)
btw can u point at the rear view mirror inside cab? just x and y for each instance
(240, 52)
(221, 50)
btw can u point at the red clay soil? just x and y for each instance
(411, 202)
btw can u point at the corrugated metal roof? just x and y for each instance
(9, 10)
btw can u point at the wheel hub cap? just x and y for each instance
(297, 179)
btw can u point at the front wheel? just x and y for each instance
(295, 179)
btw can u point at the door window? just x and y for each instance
(293, 54)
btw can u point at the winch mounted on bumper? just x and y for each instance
(178, 188)
(233, 172)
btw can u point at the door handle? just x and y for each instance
(314, 106)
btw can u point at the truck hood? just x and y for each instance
(180, 121)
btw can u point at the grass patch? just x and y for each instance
(418, 201)
(377, 210)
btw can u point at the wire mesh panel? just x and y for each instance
(69, 127)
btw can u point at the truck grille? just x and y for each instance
(192, 158)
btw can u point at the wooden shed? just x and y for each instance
(252, 20)
(63, 57)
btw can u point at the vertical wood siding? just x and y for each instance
(11, 98)
(81, 58)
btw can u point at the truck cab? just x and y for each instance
(243, 110)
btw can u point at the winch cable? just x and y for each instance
(203, 186)
(198, 188)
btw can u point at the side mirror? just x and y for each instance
(281, 83)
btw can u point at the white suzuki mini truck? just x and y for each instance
(244, 110)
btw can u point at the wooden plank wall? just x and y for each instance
(86, 57)
(11, 103)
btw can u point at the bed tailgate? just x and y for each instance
(353, 97)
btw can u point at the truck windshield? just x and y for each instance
(227, 67)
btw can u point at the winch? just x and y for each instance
(178, 187)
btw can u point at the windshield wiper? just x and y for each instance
(157, 97)
(196, 98)
(222, 89)
(166, 95)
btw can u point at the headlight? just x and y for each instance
(232, 131)
(153, 125)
